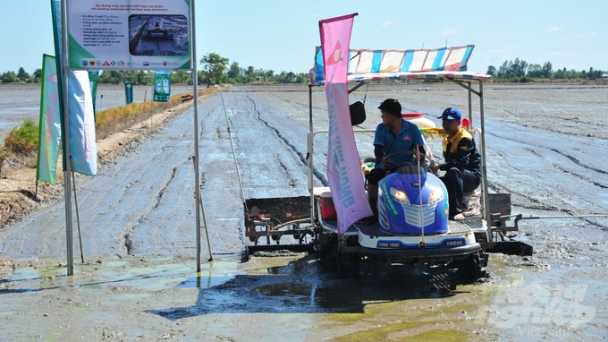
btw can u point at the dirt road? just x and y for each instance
(545, 146)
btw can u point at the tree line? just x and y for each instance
(522, 71)
(214, 70)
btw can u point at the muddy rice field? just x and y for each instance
(546, 146)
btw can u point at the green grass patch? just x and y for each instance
(23, 140)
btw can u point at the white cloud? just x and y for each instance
(554, 29)
(387, 23)
(590, 34)
(581, 36)
(448, 32)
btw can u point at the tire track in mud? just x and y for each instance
(566, 189)
(155, 202)
(160, 194)
(546, 203)
(577, 162)
(577, 175)
(294, 104)
(139, 210)
(529, 202)
(136, 182)
(212, 196)
(266, 159)
(163, 224)
(133, 208)
(219, 189)
(557, 151)
(500, 188)
(170, 229)
(291, 182)
(295, 150)
(254, 169)
(534, 150)
(15, 242)
(107, 192)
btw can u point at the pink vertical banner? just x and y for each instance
(343, 164)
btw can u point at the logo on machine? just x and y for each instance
(389, 244)
(453, 243)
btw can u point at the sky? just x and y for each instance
(281, 35)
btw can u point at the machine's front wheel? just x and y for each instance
(470, 268)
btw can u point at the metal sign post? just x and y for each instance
(89, 34)
(196, 159)
(67, 181)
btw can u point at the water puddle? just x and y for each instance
(152, 275)
(387, 302)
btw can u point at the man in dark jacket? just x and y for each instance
(462, 162)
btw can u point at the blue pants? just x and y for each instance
(457, 182)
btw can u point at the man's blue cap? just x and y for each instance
(451, 114)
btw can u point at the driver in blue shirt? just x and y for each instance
(393, 135)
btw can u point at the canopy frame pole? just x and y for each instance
(310, 143)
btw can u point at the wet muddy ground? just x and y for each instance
(545, 145)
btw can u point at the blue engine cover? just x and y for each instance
(399, 209)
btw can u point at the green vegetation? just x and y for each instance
(521, 71)
(218, 70)
(24, 139)
(21, 142)
(215, 70)
(214, 67)
(4, 154)
(138, 77)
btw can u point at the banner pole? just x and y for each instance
(151, 103)
(77, 212)
(66, 141)
(200, 201)
(196, 169)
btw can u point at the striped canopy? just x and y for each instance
(366, 64)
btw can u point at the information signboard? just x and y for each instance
(162, 86)
(129, 34)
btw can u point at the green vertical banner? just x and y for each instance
(93, 77)
(50, 122)
(162, 86)
(129, 92)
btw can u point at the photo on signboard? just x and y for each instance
(158, 35)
